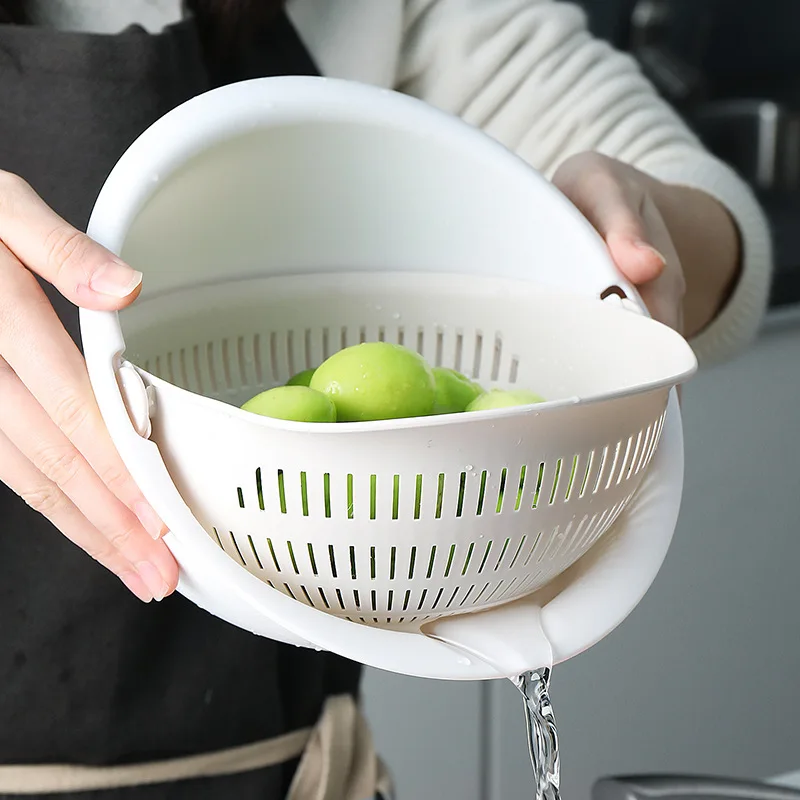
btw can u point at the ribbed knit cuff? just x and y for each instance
(739, 321)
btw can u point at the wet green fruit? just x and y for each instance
(301, 378)
(297, 403)
(377, 380)
(499, 398)
(454, 391)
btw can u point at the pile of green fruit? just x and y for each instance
(376, 381)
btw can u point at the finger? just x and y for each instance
(622, 212)
(612, 205)
(664, 297)
(641, 263)
(29, 429)
(45, 497)
(661, 308)
(46, 360)
(82, 270)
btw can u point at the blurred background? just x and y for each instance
(704, 677)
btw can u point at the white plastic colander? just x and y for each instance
(280, 220)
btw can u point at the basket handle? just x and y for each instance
(511, 640)
(616, 294)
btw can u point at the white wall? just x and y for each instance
(705, 675)
(430, 733)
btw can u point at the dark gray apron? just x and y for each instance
(88, 674)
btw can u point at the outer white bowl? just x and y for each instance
(291, 175)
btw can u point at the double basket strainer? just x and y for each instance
(280, 220)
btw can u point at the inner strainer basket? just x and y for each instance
(395, 523)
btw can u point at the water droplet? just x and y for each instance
(464, 661)
(468, 467)
(430, 442)
(396, 315)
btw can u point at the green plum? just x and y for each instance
(298, 403)
(301, 378)
(499, 398)
(377, 380)
(454, 391)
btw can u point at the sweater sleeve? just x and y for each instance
(530, 74)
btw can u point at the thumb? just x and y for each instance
(637, 260)
(85, 272)
(612, 206)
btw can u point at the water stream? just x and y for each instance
(542, 732)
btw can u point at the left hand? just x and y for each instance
(619, 201)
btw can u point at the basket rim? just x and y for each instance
(433, 421)
(402, 423)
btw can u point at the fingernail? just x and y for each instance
(153, 580)
(151, 522)
(115, 279)
(650, 249)
(136, 586)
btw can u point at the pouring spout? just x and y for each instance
(510, 638)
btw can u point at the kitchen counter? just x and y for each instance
(791, 780)
(781, 317)
(784, 216)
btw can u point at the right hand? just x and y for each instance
(55, 450)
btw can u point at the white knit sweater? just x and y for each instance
(525, 71)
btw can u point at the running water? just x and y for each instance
(542, 732)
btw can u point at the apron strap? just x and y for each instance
(37, 779)
(338, 763)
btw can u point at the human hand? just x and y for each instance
(55, 451)
(620, 202)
